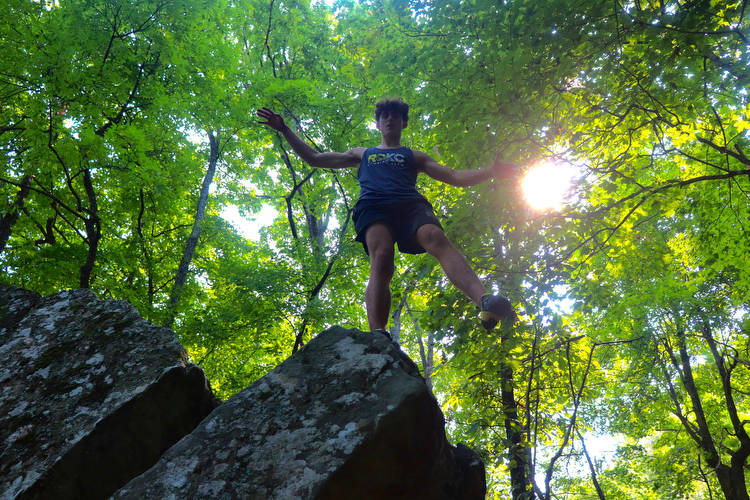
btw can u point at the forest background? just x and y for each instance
(128, 129)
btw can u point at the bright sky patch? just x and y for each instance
(545, 185)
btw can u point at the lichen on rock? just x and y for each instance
(348, 416)
(94, 397)
(91, 394)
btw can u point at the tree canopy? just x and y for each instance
(128, 130)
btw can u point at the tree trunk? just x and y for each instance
(192, 243)
(732, 481)
(300, 335)
(592, 469)
(93, 231)
(395, 330)
(518, 452)
(147, 258)
(427, 354)
(731, 478)
(7, 221)
(735, 473)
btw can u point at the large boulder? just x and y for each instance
(346, 417)
(91, 394)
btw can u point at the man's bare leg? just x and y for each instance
(454, 264)
(378, 295)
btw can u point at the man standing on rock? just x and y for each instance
(390, 210)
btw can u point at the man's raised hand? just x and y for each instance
(505, 169)
(273, 120)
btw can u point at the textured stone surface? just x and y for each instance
(346, 417)
(90, 394)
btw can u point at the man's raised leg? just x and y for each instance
(454, 264)
(493, 308)
(378, 295)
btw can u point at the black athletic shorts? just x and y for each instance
(403, 219)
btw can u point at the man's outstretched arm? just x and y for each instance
(499, 169)
(321, 160)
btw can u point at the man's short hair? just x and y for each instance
(392, 105)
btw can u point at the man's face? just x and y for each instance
(390, 122)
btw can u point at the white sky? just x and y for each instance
(249, 227)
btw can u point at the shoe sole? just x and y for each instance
(489, 320)
(384, 332)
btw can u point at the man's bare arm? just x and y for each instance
(463, 178)
(348, 159)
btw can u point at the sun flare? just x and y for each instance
(545, 185)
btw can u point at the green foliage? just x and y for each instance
(107, 108)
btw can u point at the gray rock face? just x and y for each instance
(90, 394)
(346, 417)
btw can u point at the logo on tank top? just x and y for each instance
(380, 159)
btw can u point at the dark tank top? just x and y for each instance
(388, 176)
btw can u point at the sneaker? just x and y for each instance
(384, 332)
(496, 308)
